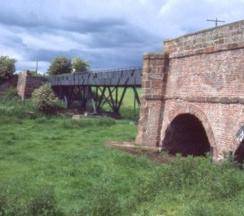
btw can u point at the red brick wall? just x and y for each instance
(203, 76)
(216, 76)
(153, 87)
(207, 41)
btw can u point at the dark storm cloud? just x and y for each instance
(35, 23)
(123, 42)
(92, 26)
(111, 42)
(107, 33)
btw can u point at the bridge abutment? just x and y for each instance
(200, 75)
(154, 78)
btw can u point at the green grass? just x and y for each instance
(58, 166)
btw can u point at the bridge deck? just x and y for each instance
(116, 78)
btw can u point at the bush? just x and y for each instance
(7, 67)
(44, 100)
(60, 65)
(79, 65)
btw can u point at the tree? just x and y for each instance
(7, 67)
(79, 65)
(60, 65)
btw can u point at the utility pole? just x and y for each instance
(36, 65)
(216, 21)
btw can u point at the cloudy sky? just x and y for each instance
(107, 33)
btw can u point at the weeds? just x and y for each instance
(87, 178)
(44, 204)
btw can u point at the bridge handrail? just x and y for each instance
(111, 77)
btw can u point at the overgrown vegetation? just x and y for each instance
(58, 166)
(45, 101)
(12, 108)
(7, 68)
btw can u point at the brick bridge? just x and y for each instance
(193, 94)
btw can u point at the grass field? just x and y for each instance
(58, 166)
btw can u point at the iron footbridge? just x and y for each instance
(98, 88)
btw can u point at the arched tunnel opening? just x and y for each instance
(186, 136)
(239, 154)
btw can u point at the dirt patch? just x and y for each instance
(153, 153)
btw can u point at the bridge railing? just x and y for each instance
(118, 77)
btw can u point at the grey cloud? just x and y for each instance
(36, 23)
(125, 36)
(100, 59)
(92, 25)
(113, 44)
(113, 38)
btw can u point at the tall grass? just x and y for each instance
(14, 107)
(58, 166)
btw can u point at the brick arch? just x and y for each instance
(237, 127)
(192, 110)
(238, 146)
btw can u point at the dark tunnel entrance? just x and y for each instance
(239, 154)
(186, 136)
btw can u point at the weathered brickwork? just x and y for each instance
(200, 74)
(153, 82)
(28, 83)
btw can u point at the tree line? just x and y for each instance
(59, 65)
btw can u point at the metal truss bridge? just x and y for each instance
(98, 88)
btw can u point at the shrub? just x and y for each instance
(60, 65)
(44, 100)
(7, 67)
(79, 65)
